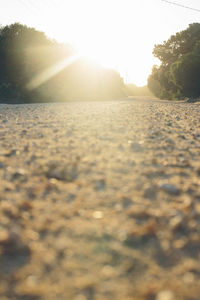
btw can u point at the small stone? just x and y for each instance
(98, 215)
(165, 295)
(169, 141)
(135, 147)
(12, 153)
(170, 189)
(69, 133)
(179, 244)
(4, 237)
(100, 184)
(63, 173)
(12, 244)
(176, 222)
(126, 202)
(150, 192)
(181, 136)
(118, 207)
(70, 198)
(108, 271)
(198, 172)
(120, 147)
(138, 212)
(2, 165)
(26, 205)
(26, 148)
(10, 211)
(19, 174)
(197, 135)
(23, 132)
(197, 208)
(80, 297)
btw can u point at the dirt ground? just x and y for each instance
(100, 200)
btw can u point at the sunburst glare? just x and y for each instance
(50, 72)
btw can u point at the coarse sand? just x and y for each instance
(100, 201)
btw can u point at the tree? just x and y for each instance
(178, 74)
(185, 74)
(26, 54)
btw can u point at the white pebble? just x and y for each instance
(98, 215)
(165, 295)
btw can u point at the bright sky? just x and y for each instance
(119, 34)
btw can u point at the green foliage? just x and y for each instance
(178, 75)
(26, 54)
(185, 74)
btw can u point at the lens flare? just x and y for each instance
(51, 72)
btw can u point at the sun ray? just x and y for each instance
(51, 72)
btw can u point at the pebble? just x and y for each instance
(165, 295)
(107, 271)
(138, 212)
(126, 202)
(176, 222)
(135, 147)
(70, 198)
(21, 173)
(169, 141)
(2, 165)
(12, 244)
(150, 192)
(12, 152)
(98, 215)
(4, 237)
(170, 189)
(80, 297)
(100, 184)
(63, 173)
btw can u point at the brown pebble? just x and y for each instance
(26, 205)
(12, 244)
(137, 212)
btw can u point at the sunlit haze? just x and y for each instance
(118, 34)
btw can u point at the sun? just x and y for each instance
(102, 32)
(97, 53)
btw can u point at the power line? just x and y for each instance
(36, 8)
(181, 5)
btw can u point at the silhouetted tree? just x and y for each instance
(178, 75)
(185, 74)
(26, 54)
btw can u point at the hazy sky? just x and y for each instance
(116, 33)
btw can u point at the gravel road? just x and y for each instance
(100, 201)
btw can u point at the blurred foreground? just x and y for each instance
(100, 201)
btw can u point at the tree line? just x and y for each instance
(34, 68)
(178, 76)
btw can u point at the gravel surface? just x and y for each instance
(100, 200)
